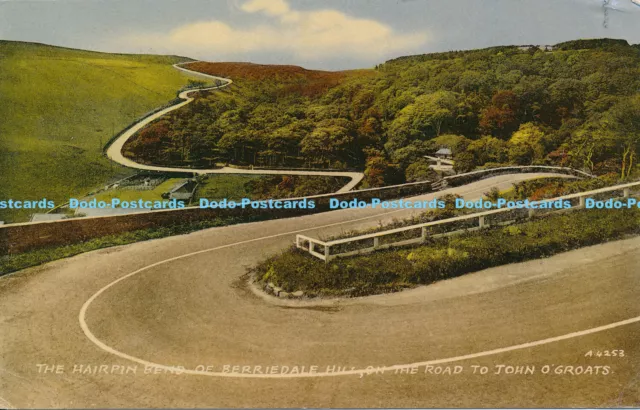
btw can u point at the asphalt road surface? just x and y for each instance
(181, 301)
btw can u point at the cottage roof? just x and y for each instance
(179, 186)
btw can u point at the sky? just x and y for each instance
(319, 34)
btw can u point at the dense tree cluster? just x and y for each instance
(578, 105)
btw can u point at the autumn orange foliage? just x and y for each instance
(296, 80)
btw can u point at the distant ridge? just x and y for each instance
(251, 71)
(582, 44)
(31, 44)
(294, 79)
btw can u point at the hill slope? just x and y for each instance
(294, 79)
(251, 71)
(575, 104)
(58, 107)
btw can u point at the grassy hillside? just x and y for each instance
(58, 107)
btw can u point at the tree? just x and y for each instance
(375, 169)
(501, 117)
(464, 162)
(493, 195)
(532, 91)
(433, 111)
(420, 171)
(488, 149)
(527, 144)
(567, 95)
(379, 171)
(370, 131)
(622, 124)
(521, 154)
(330, 140)
(472, 81)
(152, 142)
(409, 154)
(422, 120)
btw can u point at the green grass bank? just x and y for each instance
(59, 107)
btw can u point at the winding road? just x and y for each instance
(125, 317)
(114, 151)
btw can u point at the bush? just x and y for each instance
(420, 171)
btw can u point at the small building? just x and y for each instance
(183, 191)
(530, 47)
(444, 153)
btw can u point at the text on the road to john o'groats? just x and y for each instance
(329, 370)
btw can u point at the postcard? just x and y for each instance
(319, 204)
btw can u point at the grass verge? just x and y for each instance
(443, 258)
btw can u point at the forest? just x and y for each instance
(575, 105)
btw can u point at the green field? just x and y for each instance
(233, 187)
(59, 107)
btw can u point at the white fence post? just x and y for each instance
(423, 234)
(481, 221)
(581, 203)
(627, 192)
(326, 254)
(376, 242)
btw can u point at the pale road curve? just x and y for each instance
(180, 301)
(114, 152)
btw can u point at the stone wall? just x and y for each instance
(17, 238)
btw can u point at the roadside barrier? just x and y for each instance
(419, 233)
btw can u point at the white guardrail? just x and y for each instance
(474, 221)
